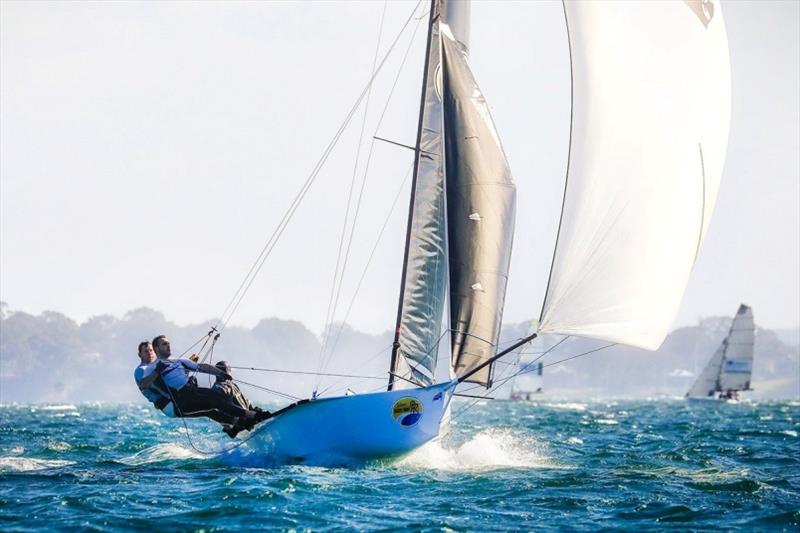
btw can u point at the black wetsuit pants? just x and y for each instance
(193, 401)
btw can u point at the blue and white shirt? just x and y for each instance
(175, 372)
(152, 393)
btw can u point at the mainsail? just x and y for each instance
(731, 367)
(481, 205)
(462, 216)
(737, 367)
(651, 112)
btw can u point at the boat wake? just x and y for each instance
(489, 449)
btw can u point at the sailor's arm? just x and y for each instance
(214, 371)
(150, 379)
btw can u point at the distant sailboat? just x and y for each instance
(731, 367)
(530, 383)
(650, 117)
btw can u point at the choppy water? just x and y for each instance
(508, 466)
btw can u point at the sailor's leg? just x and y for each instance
(214, 414)
(191, 399)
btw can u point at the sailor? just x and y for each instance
(152, 386)
(191, 400)
(157, 396)
(225, 385)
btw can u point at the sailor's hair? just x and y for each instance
(142, 345)
(158, 338)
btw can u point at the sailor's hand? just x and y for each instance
(194, 358)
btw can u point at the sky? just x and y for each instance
(148, 150)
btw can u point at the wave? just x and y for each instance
(161, 452)
(28, 464)
(487, 450)
(58, 407)
(567, 406)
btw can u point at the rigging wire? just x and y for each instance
(527, 370)
(302, 372)
(326, 361)
(255, 268)
(336, 287)
(369, 262)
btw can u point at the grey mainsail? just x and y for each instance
(481, 205)
(424, 281)
(461, 218)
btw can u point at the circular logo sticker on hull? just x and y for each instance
(407, 411)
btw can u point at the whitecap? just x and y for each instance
(58, 407)
(27, 464)
(607, 421)
(574, 440)
(570, 406)
(790, 432)
(58, 446)
(161, 452)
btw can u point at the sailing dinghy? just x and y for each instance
(649, 130)
(731, 367)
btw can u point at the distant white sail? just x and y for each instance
(731, 367)
(737, 366)
(651, 111)
(708, 381)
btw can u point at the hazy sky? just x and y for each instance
(147, 150)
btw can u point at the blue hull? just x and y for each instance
(347, 430)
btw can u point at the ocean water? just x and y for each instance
(506, 466)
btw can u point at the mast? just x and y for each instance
(396, 342)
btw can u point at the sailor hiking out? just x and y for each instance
(167, 383)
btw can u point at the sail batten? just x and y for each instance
(650, 119)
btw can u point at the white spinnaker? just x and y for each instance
(737, 367)
(651, 112)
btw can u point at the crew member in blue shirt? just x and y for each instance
(171, 380)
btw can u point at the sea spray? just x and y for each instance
(488, 449)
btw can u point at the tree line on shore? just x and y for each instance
(52, 358)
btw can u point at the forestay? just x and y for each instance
(651, 111)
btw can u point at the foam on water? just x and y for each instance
(59, 407)
(161, 452)
(29, 464)
(487, 450)
(567, 406)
